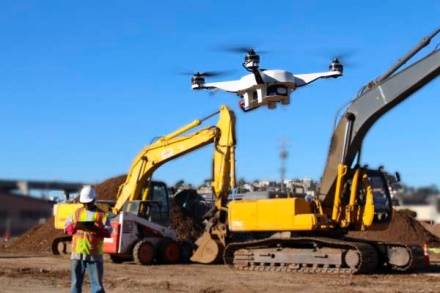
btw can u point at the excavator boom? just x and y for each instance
(374, 101)
(175, 145)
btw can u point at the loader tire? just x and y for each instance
(168, 251)
(144, 252)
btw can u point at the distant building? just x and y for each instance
(18, 213)
(204, 189)
(427, 212)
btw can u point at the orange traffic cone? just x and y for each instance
(6, 236)
(426, 254)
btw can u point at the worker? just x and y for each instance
(88, 226)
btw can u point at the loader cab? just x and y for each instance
(156, 209)
(159, 213)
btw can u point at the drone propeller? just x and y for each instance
(198, 77)
(241, 49)
(207, 73)
(343, 56)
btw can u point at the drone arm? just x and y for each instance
(304, 79)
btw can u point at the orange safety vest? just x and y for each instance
(84, 242)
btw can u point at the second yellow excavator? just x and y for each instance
(295, 234)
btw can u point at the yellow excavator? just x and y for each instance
(140, 225)
(295, 234)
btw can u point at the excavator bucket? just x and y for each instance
(208, 250)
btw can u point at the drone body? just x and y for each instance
(264, 87)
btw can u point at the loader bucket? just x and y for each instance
(208, 250)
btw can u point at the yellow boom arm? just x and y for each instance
(175, 145)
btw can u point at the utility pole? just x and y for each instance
(283, 157)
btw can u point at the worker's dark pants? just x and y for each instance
(95, 270)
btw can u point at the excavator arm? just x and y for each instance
(175, 145)
(376, 99)
(164, 149)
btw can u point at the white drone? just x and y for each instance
(263, 86)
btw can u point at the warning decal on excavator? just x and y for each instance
(166, 154)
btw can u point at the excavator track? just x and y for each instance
(302, 254)
(320, 255)
(400, 257)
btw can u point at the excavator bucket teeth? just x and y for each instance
(208, 250)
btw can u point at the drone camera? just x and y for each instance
(277, 90)
(197, 81)
(336, 66)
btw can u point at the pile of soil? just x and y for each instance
(108, 189)
(403, 228)
(436, 230)
(38, 239)
(433, 228)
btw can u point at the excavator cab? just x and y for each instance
(381, 197)
(366, 202)
(156, 209)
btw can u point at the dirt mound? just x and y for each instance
(432, 228)
(403, 228)
(108, 189)
(39, 238)
(36, 240)
(436, 230)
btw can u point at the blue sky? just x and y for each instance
(86, 84)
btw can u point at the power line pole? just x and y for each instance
(283, 157)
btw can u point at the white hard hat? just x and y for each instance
(87, 194)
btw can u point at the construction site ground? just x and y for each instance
(26, 264)
(37, 273)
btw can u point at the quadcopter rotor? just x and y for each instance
(206, 73)
(198, 78)
(251, 59)
(337, 56)
(242, 49)
(344, 58)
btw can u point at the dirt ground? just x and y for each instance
(27, 273)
